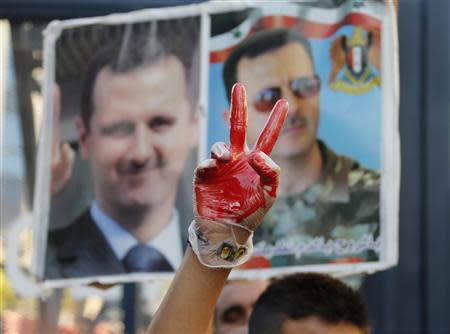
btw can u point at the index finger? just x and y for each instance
(269, 134)
(238, 119)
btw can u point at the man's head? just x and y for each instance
(276, 64)
(235, 305)
(138, 121)
(309, 303)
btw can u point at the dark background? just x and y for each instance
(413, 297)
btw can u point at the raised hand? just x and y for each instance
(235, 188)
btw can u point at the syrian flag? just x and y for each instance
(310, 21)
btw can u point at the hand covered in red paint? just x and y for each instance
(235, 188)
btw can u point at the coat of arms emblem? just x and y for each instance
(355, 62)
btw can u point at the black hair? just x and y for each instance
(306, 295)
(145, 44)
(257, 44)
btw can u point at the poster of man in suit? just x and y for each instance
(125, 107)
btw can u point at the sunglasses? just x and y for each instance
(303, 87)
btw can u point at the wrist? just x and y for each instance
(194, 262)
(216, 245)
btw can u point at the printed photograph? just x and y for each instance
(326, 63)
(124, 148)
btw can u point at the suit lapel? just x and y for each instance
(87, 253)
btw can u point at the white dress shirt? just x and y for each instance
(168, 241)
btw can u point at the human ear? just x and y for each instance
(194, 124)
(82, 136)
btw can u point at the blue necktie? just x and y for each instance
(143, 258)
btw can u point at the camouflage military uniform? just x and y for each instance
(334, 219)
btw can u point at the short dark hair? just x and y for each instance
(304, 295)
(257, 44)
(144, 44)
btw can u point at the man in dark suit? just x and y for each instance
(136, 130)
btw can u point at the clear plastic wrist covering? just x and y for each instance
(216, 245)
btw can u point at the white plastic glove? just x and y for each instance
(235, 189)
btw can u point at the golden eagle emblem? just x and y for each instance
(355, 62)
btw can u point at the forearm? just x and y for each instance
(188, 306)
(253, 179)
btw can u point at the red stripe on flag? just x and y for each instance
(311, 29)
(220, 56)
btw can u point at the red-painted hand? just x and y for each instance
(237, 185)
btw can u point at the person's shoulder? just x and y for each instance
(358, 176)
(60, 242)
(364, 191)
(79, 250)
(69, 232)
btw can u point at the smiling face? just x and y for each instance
(277, 69)
(141, 132)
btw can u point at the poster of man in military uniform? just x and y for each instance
(326, 63)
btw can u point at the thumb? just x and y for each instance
(207, 169)
(268, 171)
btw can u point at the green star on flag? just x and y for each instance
(237, 33)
